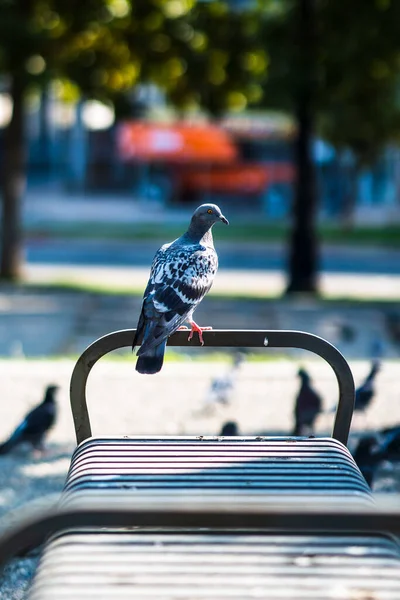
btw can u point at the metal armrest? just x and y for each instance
(219, 338)
(132, 511)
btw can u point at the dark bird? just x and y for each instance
(181, 274)
(367, 456)
(389, 443)
(308, 405)
(374, 449)
(229, 428)
(366, 391)
(35, 425)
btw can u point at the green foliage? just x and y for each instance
(201, 54)
(224, 59)
(81, 41)
(360, 67)
(355, 70)
(205, 54)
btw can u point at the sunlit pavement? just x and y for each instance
(40, 321)
(239, 282)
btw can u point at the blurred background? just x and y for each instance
(117, 119)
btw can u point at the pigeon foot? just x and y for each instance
(199, 330)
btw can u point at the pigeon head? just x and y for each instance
(204, 218)
(368, 457)
(367, 447)
(229, 428)
(376, 365)
(304, 376)
(238, 359)
(50, 393)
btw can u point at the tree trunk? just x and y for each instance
(350, 197)
(12, 185)
(303, 253)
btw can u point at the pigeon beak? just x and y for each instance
(224, 220)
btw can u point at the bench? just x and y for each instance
(265, 502)
(274, 465)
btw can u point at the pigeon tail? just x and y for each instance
(6, 447)
(13, 441)
(151, 362)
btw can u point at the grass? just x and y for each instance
(388, 236)
(133, 291)
(82, 286)
(193, 355)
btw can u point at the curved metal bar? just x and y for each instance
(219, 338)
(33, 531)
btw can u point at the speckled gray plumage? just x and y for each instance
(181, 274)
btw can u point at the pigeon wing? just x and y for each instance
(39, 419)
(19, 434)
(156, 266)
(178, 282)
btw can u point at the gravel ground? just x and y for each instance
(173, 403)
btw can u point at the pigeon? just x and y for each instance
(366, 455)
(389, 443)
(377, 348)
(365, 392)
(308, 405)
(373, 449)
(35, 425)
(222, 386)
(181, 274)
(229, 428)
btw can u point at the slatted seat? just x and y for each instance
(194, 566)
(264, 465)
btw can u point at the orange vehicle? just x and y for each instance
(235, 178)
(201, 158)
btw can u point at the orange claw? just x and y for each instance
(199, 330)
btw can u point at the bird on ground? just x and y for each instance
(181, 274)
(389, 443)
(229, 428)
(221, 387)
(374, 449)
(377, 348)
(366, 455)
(308, 405)
(366, 391)
(35, 425)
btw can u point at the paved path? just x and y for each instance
(250, 282)
(245, 255)
(58, 208)
(42, 322)
(45, 323)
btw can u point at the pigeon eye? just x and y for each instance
(210, 212)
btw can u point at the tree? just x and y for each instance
(42, 40)
(360, 106)
(225, 59)
(291, 35)
(201, 55)
(303, 247)
(335, 67)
